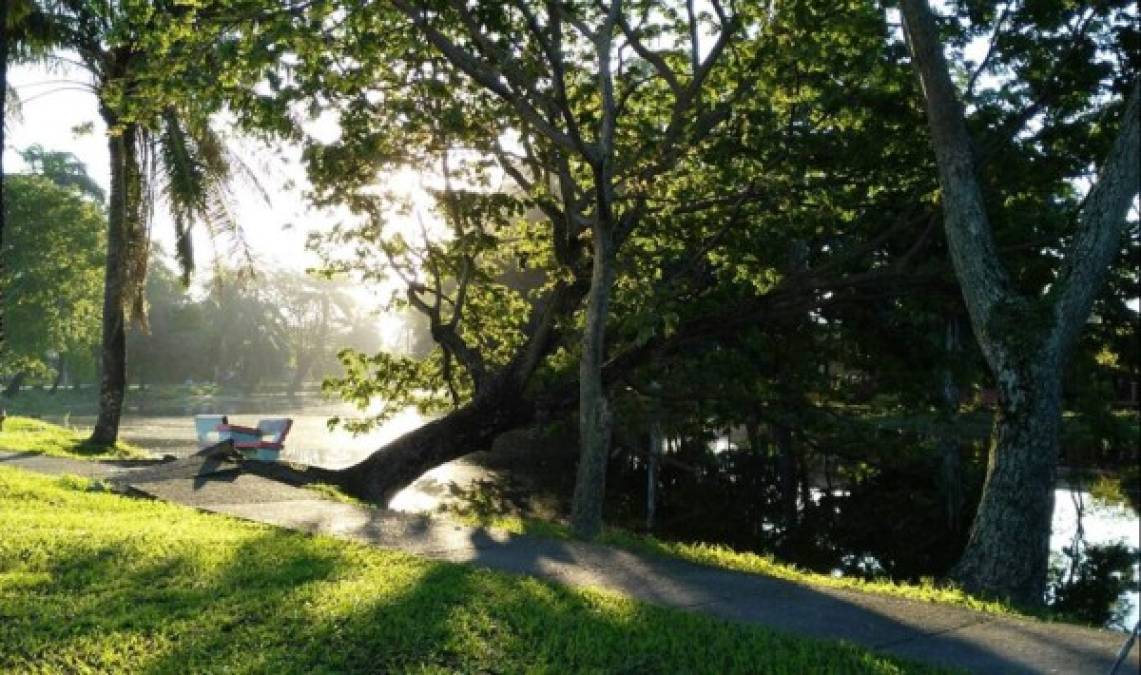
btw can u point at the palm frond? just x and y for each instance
(198, 173)
(13, 109)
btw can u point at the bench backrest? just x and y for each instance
(275, 430)
(206, 429)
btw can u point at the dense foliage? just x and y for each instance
(52, 270)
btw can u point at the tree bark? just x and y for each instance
(1009, 546)
(60, 372)
(1025, 339)
(3, 112)
(594, 414)
(125, 179)
(14, 385)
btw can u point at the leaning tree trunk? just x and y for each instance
(113, 353)
(469, 429)
(501, 404)
(594, 414)
(498, 408)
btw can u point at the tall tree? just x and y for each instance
(710, 256)
(1026, 338)
(577, 74)
(53, 273)
(145, 60)
(4, 12)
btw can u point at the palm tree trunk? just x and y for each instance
(3, 113)
(113, 356)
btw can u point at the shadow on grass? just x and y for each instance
(186, 606)
(174, 591)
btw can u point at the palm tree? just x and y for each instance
(161, 145)
(62, 168)
(6, 15)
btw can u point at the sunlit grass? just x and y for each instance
(716, 555)
(336, 494)
(22, 434)
(727, 558)
(98, 582)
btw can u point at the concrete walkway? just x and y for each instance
(927, 632)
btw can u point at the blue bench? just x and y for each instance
(263, 442)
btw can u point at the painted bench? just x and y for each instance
(263, 442)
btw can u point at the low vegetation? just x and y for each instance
(22, 434)
(741, 561)
(97, 582)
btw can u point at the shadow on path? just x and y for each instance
(929, 632)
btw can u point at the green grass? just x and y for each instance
(22, 434)
(336, 494)
(97, 582)
(727, 558)
(724, 557)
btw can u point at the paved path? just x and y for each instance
(927, 632)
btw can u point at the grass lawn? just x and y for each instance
(716, 555)
(93, 581)
(23, 434)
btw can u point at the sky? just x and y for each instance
(55, 103)
(60, 112)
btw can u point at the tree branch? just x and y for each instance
(969, 234)
(1101, 223)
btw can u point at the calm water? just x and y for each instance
(310, 441)
(1102, 525)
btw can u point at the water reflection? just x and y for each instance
(1102, 524)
